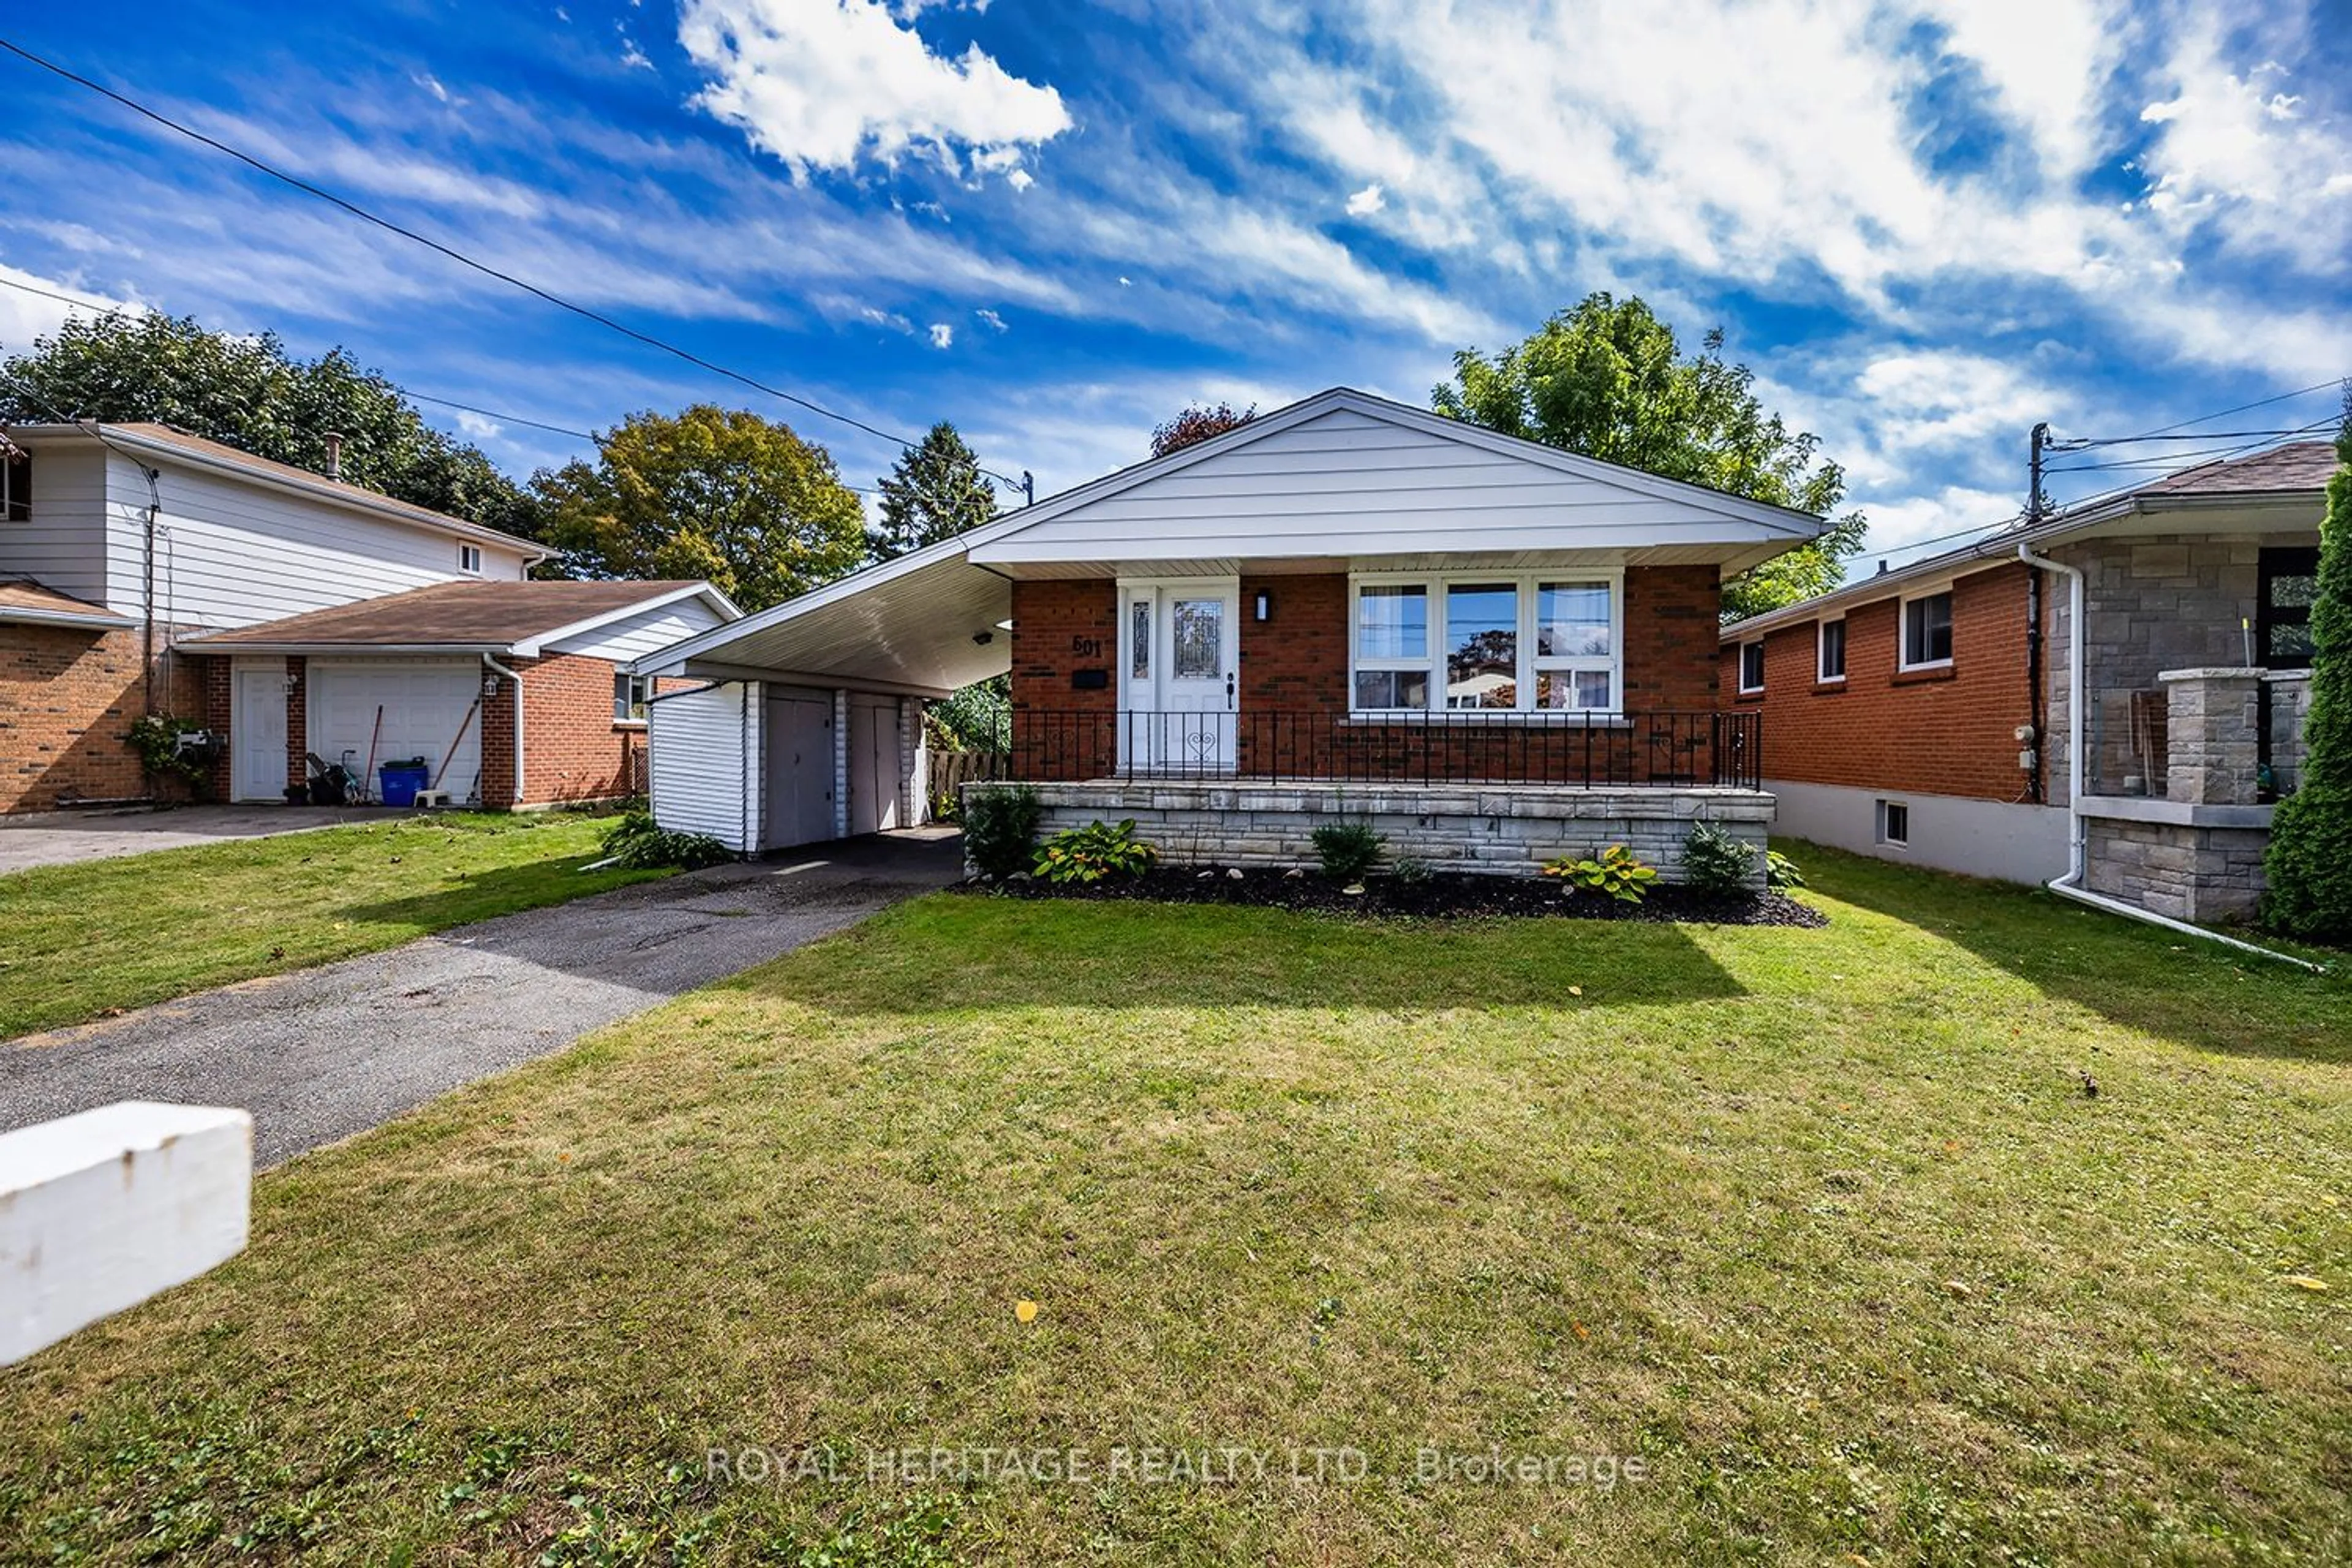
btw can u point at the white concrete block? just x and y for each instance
(99, 1211)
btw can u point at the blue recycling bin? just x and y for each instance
(401, 780)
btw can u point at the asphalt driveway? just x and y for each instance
(324, 1053)
(67, 838)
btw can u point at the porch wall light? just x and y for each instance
(1264, 608)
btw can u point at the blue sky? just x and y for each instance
(1925, 223)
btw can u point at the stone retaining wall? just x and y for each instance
(1496, 830)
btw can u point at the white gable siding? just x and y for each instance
(626, 641)
(1346, 484)
(236, 554)
(704, 749)
(61, 545)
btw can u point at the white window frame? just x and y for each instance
(1885, 830)
(1525, 585)
(1822, 676)
(469, 560)
(636, 684)
(1903, 660)
(1746, 690)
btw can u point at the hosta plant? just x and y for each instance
(1618, 872)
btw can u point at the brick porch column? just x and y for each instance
(2212, 717)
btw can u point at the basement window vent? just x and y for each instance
(1894, 823)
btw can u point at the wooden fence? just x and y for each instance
(951, 771)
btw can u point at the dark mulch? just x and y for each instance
(1439, 896)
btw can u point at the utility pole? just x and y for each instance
(2035, 502)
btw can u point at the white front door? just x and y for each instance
(1180, 657)
(258, 736)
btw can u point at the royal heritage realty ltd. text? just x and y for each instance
(1153, 1466)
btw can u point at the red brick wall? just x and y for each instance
(573, 749)
(68, 698)
(1061, 626)
(1943, 732)
(1295, 664)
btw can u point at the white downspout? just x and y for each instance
(2070, 886)
(515, 675)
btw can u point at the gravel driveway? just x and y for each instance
(324, 1053)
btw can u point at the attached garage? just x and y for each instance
(429, 708)
(512, 694)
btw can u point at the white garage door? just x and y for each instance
(423, 703)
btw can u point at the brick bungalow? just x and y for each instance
(1494, 650)
(1930, 714)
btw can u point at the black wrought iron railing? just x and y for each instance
(1684, 749)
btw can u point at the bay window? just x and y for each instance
(1485, 642)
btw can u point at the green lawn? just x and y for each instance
(90, 939)
(1820, 1226)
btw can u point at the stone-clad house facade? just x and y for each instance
(1927, 713)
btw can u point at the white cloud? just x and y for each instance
(2238, 157)
(476, 428)
(943, 335)
(24, 316)
(822, 85)
(991, 319)
(1368, 201)
(431, 84)
(1775, 147)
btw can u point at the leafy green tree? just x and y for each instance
(934, 491)
(1608, 379)
(713, 492)
(2308, 865)
(1196, 424)
(249, 393)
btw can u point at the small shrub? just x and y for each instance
(1780, 873)
(1347, 849)
(156, 739)
(1091, 853)
(1414, 873)
(1714, 861)
(1618, 873)
(1000, 829)
(637, 842)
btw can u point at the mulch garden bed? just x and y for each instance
(1439, 896)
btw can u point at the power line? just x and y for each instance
(117, 312)
(2258, 403)
(459, 257)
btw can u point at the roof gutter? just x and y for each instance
(2070, 886)
(346, 649)
(93, 620)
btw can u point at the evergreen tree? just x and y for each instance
(2309, 863)
(934, 491)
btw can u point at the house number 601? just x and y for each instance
(1087, 648)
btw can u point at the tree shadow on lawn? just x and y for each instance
(2161, 983)
(1011, 952)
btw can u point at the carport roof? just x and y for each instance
(460, 617)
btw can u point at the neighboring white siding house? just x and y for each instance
(238, 541)
(231, 553)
